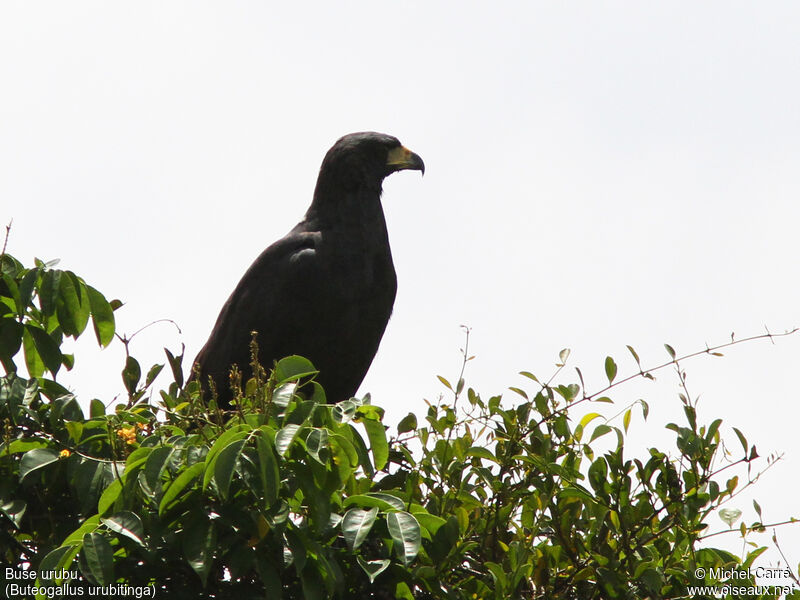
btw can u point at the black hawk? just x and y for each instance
(326, 290)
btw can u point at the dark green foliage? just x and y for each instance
(290, 497)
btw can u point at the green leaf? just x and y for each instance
(427, 521)
(345, 455)
(175, 366)
(33, 360)
(109, 496)
(199, 544)
(406, 533)
(152, 374)
(293, 367)
(373, 568)
(611, 369)
(230, 436)
(36, 459)
(445, 539)
(96, 409)
(72, 304)
(691, 415)
(361, 451)
(481, 452)
(742, 439)
(313, 585)
(588, 418)
(316, 442)
(445, 382)
(730, 515)
(284, 393)
(562, 357)
(394, 501)
(635, 356)
(584, 574)
(99, 555)
(626, 419)
(75, 430)
(368, 411)
(356, 525)
(576, 491)
(499, 576)
(285, 437)
(670, 351)
(131, 374)
(76, 537)
(14, 510)
(269, 471)
(10, 342)
(598, 475)
(377, 499)
(58, 560)
(712, 429)
(234, 433)
(752, 556)
(294, 551)
(226, 465)
(48, 291)
(645, 409)
(153, 467)
(102, 316)
(403, 592)
(379, 445)
(598, 431)
(137, 460)
(269, 576)
(407, 423)
(126, 523)
(12, 293)
(568, 392)
(22, 446)
(652, 579)
(181, 483)
(344, 411)
(519, 391)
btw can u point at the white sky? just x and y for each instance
(598, 174)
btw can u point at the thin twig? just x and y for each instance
(679, 359)
(724, 531)
(8, 234)
(135, 333)
(708, 350)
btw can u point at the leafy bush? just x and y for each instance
(290, 497)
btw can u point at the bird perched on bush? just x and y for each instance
(326, 290)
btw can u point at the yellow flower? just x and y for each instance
(64, 453)
(128, 434)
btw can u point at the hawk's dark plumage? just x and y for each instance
(326, 290)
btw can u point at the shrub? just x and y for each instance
(288, 496)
